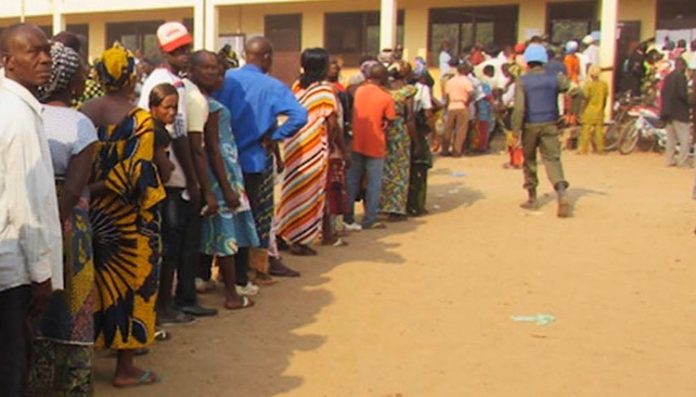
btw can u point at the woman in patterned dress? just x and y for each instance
(63, 351)
(126, 191)
(232, 227)
(306, 155)
(398, 161)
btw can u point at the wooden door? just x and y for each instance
(285, 32)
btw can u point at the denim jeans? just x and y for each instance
(373, 168)
(181, 234)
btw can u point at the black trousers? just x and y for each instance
(181, 241)
(15, 338)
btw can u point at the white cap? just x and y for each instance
(173, 35)
(588, 39)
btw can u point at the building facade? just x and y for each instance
(350, 28)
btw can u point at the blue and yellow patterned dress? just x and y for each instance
(126, 240)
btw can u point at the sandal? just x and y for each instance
(148, 378)
(245, 301)
(162, 335)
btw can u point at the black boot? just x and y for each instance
(564, 208)
(532, 203)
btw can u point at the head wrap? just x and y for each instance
(66, 62)
(366, 66)
(115, 68)
(594, 71)
(420, 67)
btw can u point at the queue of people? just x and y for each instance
(118, 204)
(123, 188)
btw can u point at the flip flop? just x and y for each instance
(245, 301)
(162, 335)
(148, 378)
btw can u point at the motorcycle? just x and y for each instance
(647, 127)
(622, 120)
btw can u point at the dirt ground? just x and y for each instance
(424, 308)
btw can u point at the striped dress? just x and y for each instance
(306, 155)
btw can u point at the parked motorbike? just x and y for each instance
(622, 120)
(647, 128)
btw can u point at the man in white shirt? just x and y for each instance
(445, 58)
(31, 257)
(591, 53)
(181, 210)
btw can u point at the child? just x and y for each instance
(596, 93)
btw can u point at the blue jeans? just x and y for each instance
(373, 168)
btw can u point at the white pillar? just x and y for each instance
(212, 19)
(387, 24)
(607, 45)
(199, 24)
(57, 17)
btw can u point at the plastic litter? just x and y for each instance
(437, 207)
(458, 174)
(453, 191)
(539, 319)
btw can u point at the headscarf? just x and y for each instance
(115, 68)
(420, 68)
(366, 66)
(66, 62)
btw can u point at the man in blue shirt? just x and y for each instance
(255, 101)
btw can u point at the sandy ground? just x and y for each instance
(424, 308)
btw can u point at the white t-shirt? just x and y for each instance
(69, 132)
(445, 58)
(196, 107)
(179, 129)
(592, 54)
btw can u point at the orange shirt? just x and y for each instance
(372, 107)
(572, 64)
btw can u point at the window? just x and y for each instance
(350, 35)
(464, 27)
(676, 15)
(568, 21)
(134, 35)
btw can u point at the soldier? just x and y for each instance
(535, 116)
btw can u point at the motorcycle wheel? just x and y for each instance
(616, 132)
(629, 141)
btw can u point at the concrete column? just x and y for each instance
(387, 24)
(199, 24)
(212, 19)
(607, 44)
(57, 17)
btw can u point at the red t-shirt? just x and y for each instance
(373, 106)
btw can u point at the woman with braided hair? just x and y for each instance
(126, 192)
(63, 348)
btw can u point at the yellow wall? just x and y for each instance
(249, 19)
(644, 11)
(97, 23)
